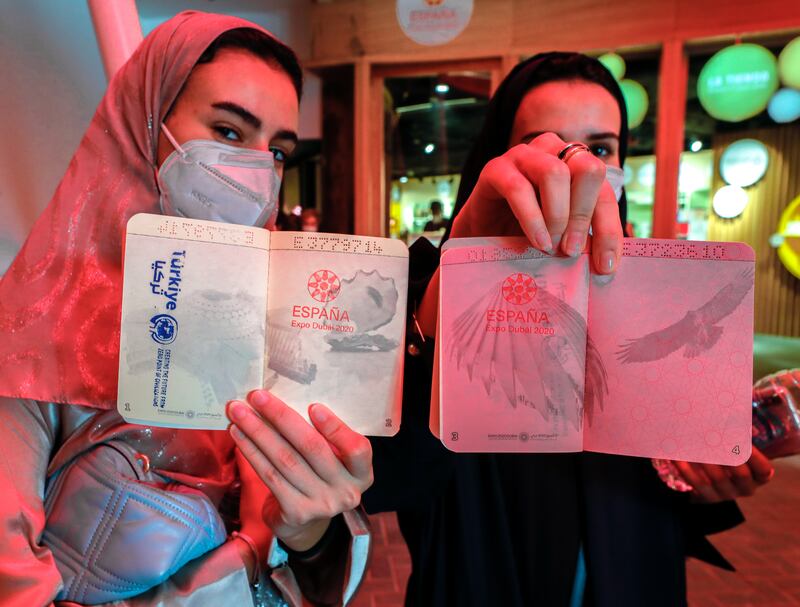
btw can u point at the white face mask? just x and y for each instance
(210, 180)
(615, 177)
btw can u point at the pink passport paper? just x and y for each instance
(537, 354)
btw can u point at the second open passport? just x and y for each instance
(538, 354)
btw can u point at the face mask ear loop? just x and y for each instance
(171, 139)
(619, 177)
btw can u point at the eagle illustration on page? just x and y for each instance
(697, 332)
(544, 372)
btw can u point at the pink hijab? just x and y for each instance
(60, 299)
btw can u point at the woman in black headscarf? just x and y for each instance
(539, 529)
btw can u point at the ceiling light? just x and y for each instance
(442, 88)
(729, 201)
(429, 148)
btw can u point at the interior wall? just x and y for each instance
(52, 81)
(777, 292)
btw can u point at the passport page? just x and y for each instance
(336, 326)
(193, 324)
(512, 347)
(674, 332)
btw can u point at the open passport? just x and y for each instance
(211, 311)
(538, 354)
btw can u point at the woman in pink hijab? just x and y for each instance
(96, 510)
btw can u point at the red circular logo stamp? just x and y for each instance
(324, 285)
(519, 288)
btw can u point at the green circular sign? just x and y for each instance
(789, 64)
(614, 64)
(737, 82)
(636, 101)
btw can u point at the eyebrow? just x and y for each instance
(286, 134)
(591, 137)
(252, 119)
(597, 136)
(235, 108)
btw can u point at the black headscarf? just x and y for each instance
(539, 69)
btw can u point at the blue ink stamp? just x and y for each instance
(163, 328)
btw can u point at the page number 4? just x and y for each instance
(736, 450)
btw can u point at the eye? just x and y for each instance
(601, 150)
(280, 155)
(228, 133)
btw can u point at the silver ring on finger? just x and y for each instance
(572, 148)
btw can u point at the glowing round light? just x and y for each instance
(442, 88)
(696, 145)
(737, 82)
(744, 162)
(614, 64)
(784, 106)
(788, 237)
(636, 100)
(789, 64)
(429, 148)
(729, 201)
(404, 179)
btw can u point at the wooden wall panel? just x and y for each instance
(589, 24)
(344, 30)
(703, 18)
(338, 169)
(777, 294)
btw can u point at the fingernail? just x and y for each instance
(236, 433)
(319, 413)
(574, 244)
(607, 261)
(543, 241)
(237, 410)
(259, 397)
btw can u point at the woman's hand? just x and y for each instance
(712, 483)
(313, 473)
(529, 191)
